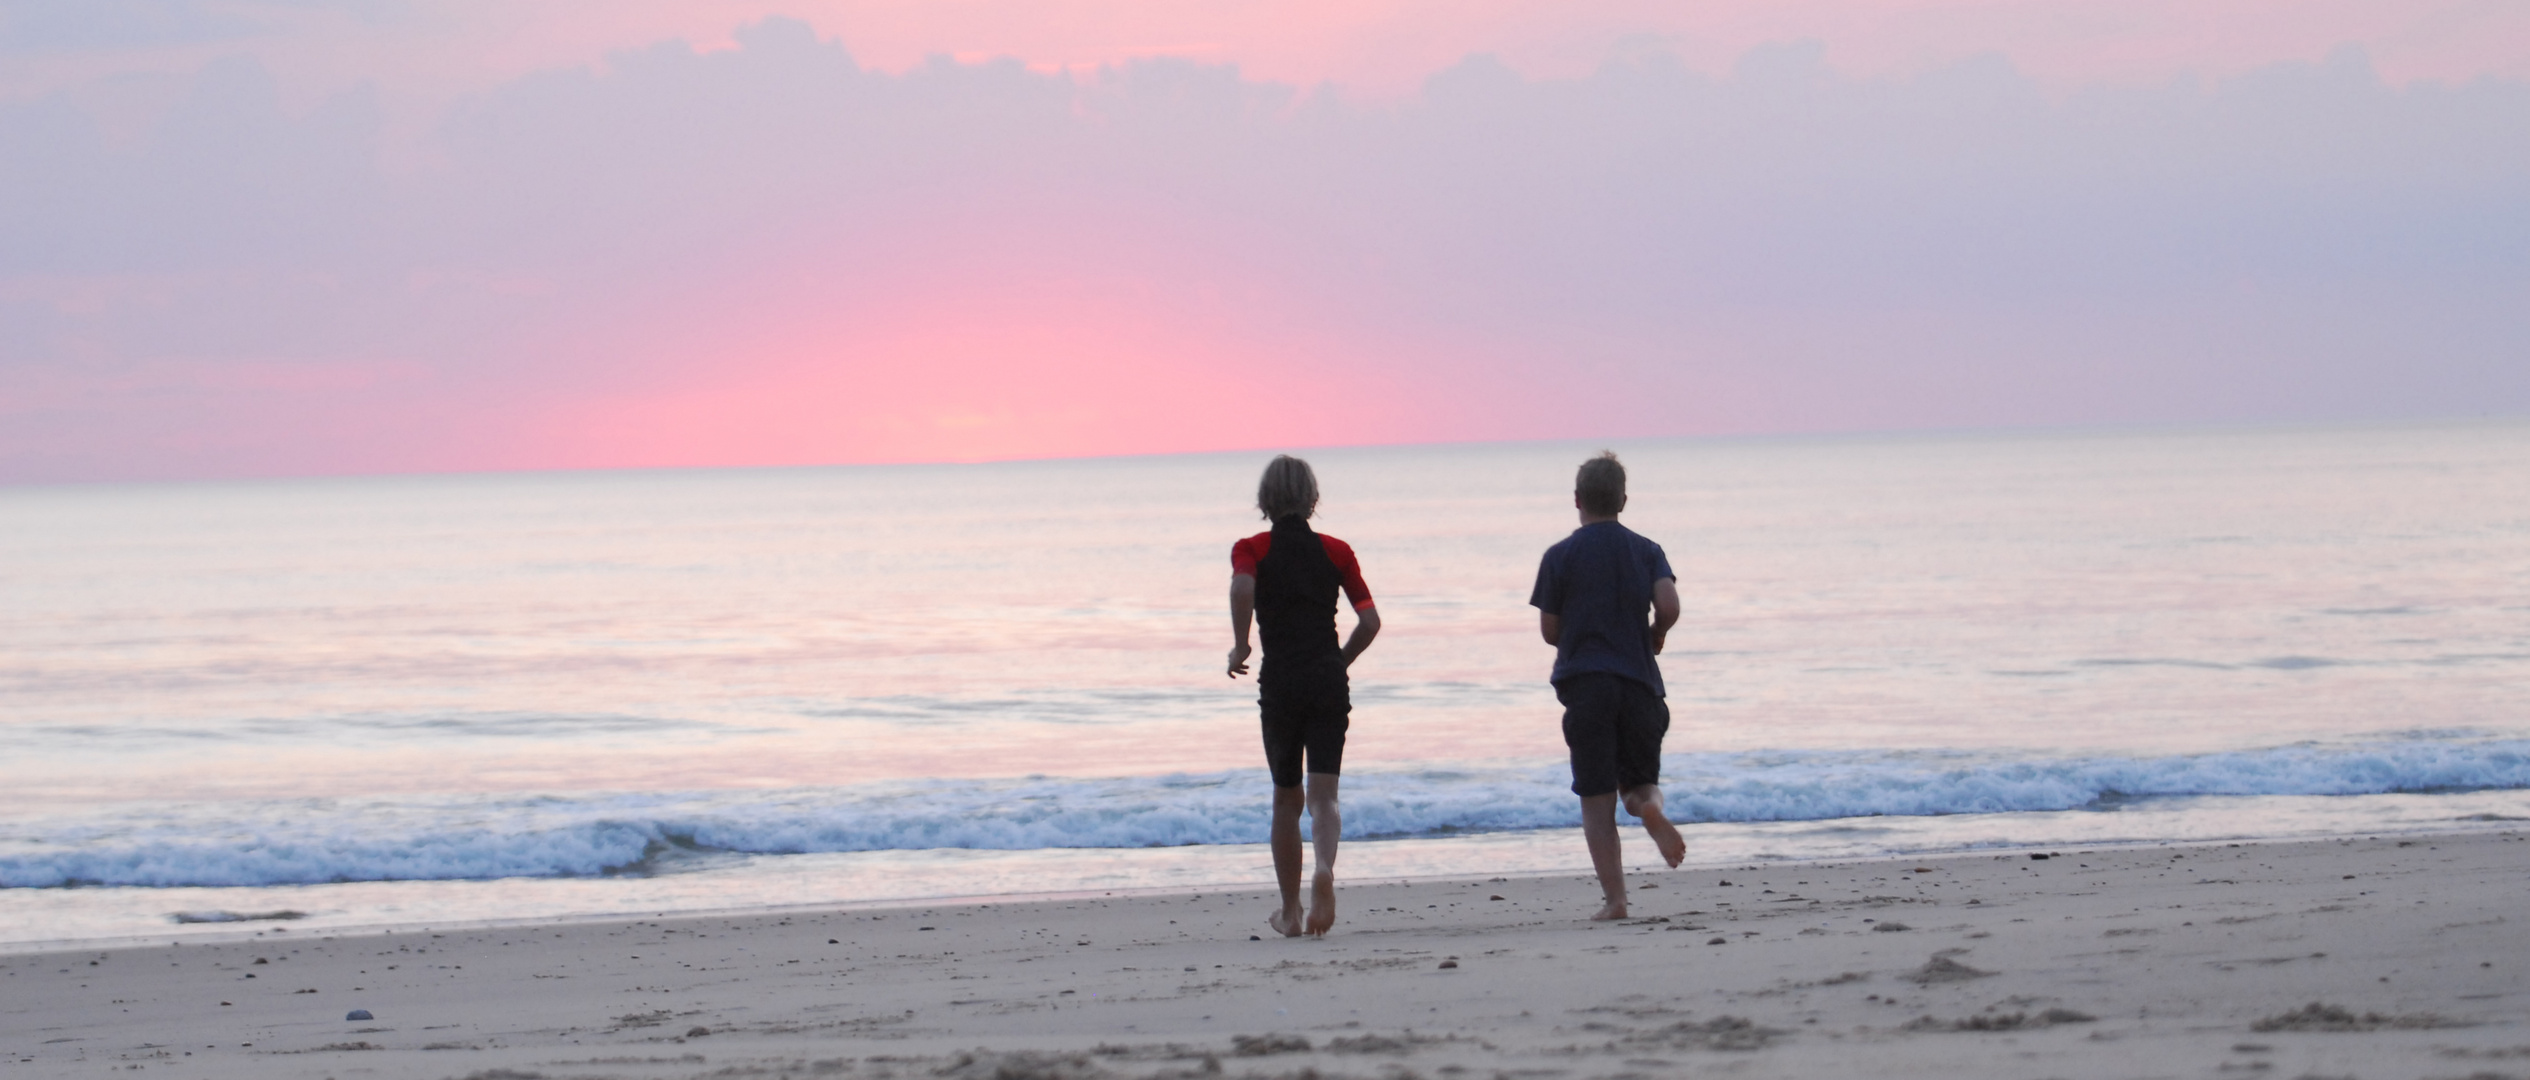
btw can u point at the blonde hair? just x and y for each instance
(1601, 485)
(1288, 487)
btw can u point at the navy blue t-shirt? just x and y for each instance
(1599, 580)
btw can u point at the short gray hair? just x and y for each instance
(1288, 487)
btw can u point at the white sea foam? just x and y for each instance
(476, 837)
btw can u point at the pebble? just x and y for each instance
(357, 1014)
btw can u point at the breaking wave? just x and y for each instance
(480, 837)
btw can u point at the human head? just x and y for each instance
(1287, 488)
(1599, 490)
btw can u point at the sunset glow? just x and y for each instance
(249, 239)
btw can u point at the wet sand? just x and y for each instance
(2180, 961)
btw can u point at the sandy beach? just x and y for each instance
(2359, 957)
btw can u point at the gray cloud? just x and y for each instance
(67, 26)
(78, 25)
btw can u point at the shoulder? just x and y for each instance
(1556, 555)
(1647, 548)
(1335, 548)
(1245, 553)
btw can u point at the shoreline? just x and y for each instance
(1195, 868)
(2170, 955)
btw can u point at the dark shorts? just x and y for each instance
(1614, 726)
(1306, 716)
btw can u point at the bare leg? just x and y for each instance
(1286, 845)
(1607, 857)
(1326, 826)
(1644, 802)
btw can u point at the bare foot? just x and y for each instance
(1610, 911)
(1673, 847)
(1321, 902)
(1285, 922)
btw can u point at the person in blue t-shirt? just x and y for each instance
(1605, 599)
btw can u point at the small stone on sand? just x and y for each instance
(355, 1014)
(1944, 969)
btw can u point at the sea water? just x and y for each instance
(455, 699)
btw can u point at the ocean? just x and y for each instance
(449, 700)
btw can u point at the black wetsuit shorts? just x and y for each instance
(1307, 714)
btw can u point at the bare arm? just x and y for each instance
(1664, 611)
(1365, 627)
(1552, 626)
(1242, 613)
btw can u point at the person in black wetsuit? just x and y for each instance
(1285, 580)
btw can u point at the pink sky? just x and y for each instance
(245, 239)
